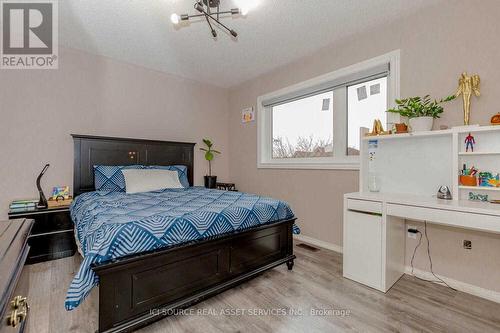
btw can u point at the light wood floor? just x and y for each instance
(315, 283)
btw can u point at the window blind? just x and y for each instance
(343, 81)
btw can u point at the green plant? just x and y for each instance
(414, 107)
(209, 154)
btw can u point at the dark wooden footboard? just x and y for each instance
(140, 289)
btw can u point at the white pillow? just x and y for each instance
(145, 180)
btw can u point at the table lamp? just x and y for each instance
(42, 203)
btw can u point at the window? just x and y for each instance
(365, 102)
(315, 124)
(303, 128)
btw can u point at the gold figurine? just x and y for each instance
(466, 86)
(378, 129)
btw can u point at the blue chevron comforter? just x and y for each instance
(114, 224)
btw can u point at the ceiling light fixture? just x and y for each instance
(209, 9)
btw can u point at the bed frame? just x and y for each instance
(139, 289)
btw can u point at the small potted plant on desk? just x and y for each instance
(210, 181)
(420, 111)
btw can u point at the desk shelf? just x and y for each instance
(400, 160)
(447, 132)
(478, 153)
(479, 188)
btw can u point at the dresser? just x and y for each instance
(14, 283)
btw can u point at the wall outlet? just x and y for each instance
(467, 244)
(411, 235)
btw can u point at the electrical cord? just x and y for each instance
(415, 251)
(439, 280)
(430, 259)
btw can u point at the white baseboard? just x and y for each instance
(458, 285)
(319, 243)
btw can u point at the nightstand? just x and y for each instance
(227, 187)
(52, 236)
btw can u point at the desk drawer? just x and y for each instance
(364, 206)
(481, 222)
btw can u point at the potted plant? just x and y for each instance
(401, 128)
(421, 111)
(210, 181)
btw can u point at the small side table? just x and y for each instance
(227, 187)
(52, 236)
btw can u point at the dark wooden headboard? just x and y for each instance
(98, 150)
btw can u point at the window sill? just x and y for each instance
(310, 166)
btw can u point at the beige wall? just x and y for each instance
(436, 45)
(96, 95)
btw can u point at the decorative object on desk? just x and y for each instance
(444, 193)
(487, 179)
(421, 111)
(247, 115)
(468, 172)
(495, 120)
(378, 129)
(495, 182)
(375, 129)
(478, 197)
(60, 192)
(469, 143)
(210, 181)
(469, 177)
(42, 203)
(468, 85)
(467, 180)
(401, 128)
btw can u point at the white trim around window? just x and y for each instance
(264, 117)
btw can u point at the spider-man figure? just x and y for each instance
(469, 142)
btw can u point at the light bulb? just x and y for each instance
(244, 11)
(174, 18)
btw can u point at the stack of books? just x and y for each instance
(20, 206)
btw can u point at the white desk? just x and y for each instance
(374, 230)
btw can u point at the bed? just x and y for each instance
(201, 241)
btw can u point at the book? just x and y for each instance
(22, 205)
(22, 210)
(35, 201)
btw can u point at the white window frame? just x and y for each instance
(264, 117)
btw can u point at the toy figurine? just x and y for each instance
(468, 85)
(469, 143)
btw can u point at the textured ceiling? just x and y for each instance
(274, 33)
